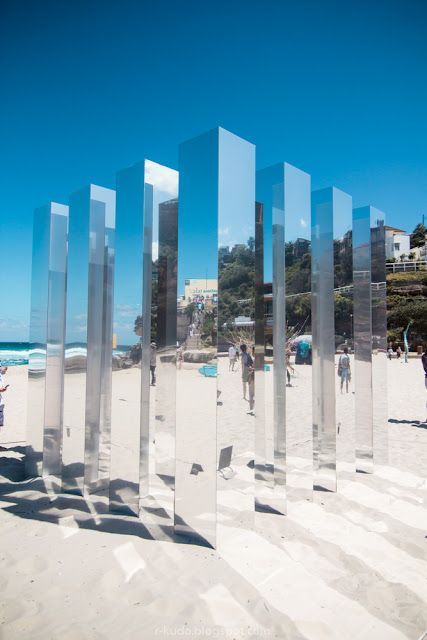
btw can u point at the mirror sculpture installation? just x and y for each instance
(196, 337)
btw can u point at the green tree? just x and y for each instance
(418, 236)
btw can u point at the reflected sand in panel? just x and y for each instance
(379, 338)
(88, 349)
(48, 290)
(332, 310)
(142, 467)
(216, 189)
(363, 339)
(285, 194)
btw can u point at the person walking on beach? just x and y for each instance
(3, 388)
(398, 352)
(248, 377)
(344, 369)
(231, 357)
(153, 362)
(390, 353)
(289, 367)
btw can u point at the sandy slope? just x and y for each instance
(347, 566)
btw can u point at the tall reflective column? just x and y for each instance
(46, 354)
(379, 337)
(216, 228)
(285, 432)
(131, 341)
(88, 348)
(143, 392)
(332, 314)
(363, 338)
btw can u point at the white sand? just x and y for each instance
(349, 566)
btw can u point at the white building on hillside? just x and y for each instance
(397, 243)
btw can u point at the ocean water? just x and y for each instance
(13, 353)
(16, 353)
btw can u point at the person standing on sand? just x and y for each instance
(398, 352)
(289, 367)
(3, 388)
(153, 363)
(344, 369)
(248, 377)
(231, 357)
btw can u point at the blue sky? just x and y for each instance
(335, 88)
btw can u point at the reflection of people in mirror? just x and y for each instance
(231, 357)
(344, 371)
(3, 389)
(248, 376)
(289, 366)
(153, 362)
(179, 357)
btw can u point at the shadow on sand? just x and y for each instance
(32, 499)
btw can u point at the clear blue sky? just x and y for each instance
(337, 88)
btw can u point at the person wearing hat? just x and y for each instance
(153, 362)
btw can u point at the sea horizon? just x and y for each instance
(15, 353)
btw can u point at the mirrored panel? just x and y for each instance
(215, 332)
(132, 271)
(88, 348)
(287, 429)
(196, 385)
(56, 309)
(163, 347)
(46, 339)
(344, 334)
(332, 314)
(238, 401)
(362, 323)
(143, 392)
(379, 336)
(298, 346)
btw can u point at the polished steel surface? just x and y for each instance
(362, 321)
(379, 337)
(333, 407)
(143, 381)
(196, 395)
(157, 471)
(343, 317)
(133, 244)
(215, 425)
(284, 452)
(46, 340)
(56, 309)
(88, 348)
(236, 327)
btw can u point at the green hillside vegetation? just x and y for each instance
(407, 300)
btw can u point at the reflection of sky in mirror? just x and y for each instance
(198, 209)
(86, 206)
(377, 217)
(236, 189)
(216, 201)
(163, 183)
(343, 204)
(341, 212)
(165, 187)
(284, 187)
